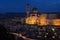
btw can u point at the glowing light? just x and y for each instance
(45, 36)
(19, 35)
(53, 36)
(31, 20)
(42, 20)
(46, 33)
(53, 29)
(56, 22)
(23, 37)
(54, 33)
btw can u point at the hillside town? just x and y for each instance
(34, 24)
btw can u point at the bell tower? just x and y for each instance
(27, 9)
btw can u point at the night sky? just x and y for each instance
(20, 5)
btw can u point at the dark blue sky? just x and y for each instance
(19, 5)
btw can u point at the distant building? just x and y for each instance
(51, 16)
(34, 17)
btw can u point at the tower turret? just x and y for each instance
(27, 9)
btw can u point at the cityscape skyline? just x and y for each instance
(29, 19)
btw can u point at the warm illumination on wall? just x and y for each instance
(42, 20)
(31, 20)
(56, 22)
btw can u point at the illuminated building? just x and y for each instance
(32, 19)
(56, 22)
(50, 17)
(40, 19)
